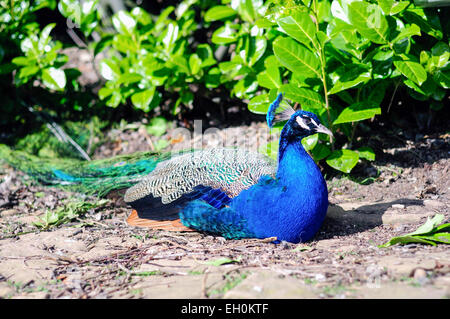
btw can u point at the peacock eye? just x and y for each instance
(306, 120)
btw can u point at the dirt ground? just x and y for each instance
(99, 256)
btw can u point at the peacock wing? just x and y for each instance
(214, 175)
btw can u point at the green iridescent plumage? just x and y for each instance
(97, 177)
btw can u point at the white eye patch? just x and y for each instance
(301, 122)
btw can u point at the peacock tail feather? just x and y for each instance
(97, 177)
(172, 174)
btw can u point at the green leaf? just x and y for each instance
(224, 35)
(306, 97)
(391, 7)
(369, 20)
(320, 151)
(443, 78)
(180, 62)
(270, 78)
(114, 99)
(170, 36)
(407, 32)
(412, 70)
(125, 43)
(219, 13)
(264, 23)
(104, 92)
(22, 61)
(212, 79)
(161, 22)
(358, 112)
(348, 76)
(142, 99)
(299, 26)
(195, 63)
(109, 69)
(247, 9)
(296, 57)
(441, 228)
(141, 16)
(28, 71)
(206, 55)
(157, 126)
(259, 104)
(429, 225)
(54, 79)
(123, 22)
(256, 49)
(104, 42)
(310, 141)
(428, 23)
(440, 54)
(339, 11)
(343, 160)
(245, 87)
(429, 233)
(443, 238)
(407, 240)
(44, 37)
(375, 93)
(366, 153)
(128, 78)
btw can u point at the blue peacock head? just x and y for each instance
(299, 124)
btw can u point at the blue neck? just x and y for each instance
(292, 157)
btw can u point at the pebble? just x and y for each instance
(420, 273)
(400, 228)
(433, 203)
(9, 212)
(374, 270)
(320, 277)
(257, 288)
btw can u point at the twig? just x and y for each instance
(203, 291)
(76, 38)
(58, 131)
(392, 97)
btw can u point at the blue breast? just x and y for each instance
(291, 207)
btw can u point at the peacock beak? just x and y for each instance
(323, 129)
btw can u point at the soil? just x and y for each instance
(98, 255)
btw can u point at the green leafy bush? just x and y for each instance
(337, 59)
(149, 53)
(342, 59)
(27, 49)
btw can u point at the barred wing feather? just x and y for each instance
(229, 170)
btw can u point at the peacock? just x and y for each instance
(231, 192)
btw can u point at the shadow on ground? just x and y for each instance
(349, 218)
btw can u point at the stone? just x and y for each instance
(9, 212)
(419, 273)
(394, 217)
(432, 203)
